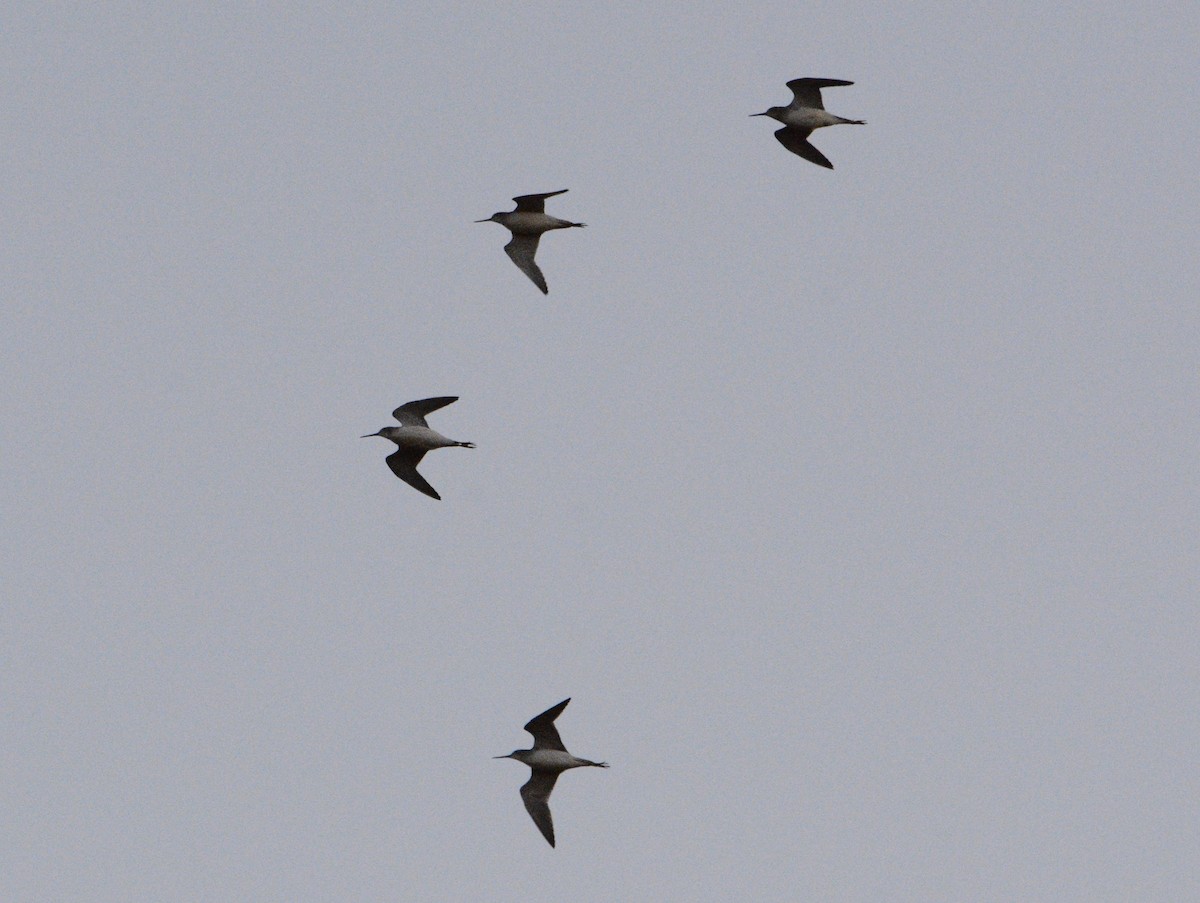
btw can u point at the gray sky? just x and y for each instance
(857, 510)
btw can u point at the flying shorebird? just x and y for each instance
(527, 223)
(413, 438)
(547, 760)
(805, 113)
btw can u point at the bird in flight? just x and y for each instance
(805, 113)
(414, 438)
(547, 760)
(527, 223)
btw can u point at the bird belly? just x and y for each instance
(551, 760)
(423, 437)
(809, 118)
(529, 223)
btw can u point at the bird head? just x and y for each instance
(774, 113)
(386, 433)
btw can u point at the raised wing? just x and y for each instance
(413, 413)
(796, 140)
(521, 250)
(535, 203)
(545, 734)
(403, 463)
(536, 795)
(807, 91)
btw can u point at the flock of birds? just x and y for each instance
(414, 437)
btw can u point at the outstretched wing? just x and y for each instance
(536, 795)
(545, 734)
(521, 250)
(413, 413)
(807, 91)
(796, 140)
(535, 203)
(403, 463)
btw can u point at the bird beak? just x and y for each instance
(368, 435)
(509, 756)
(757, 114)
(488, 220)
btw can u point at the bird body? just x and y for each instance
(556, 760)
(414, 438)
(805, 113)
(527, 223)
(547, 760)
(804, 117)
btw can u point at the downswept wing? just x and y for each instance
(796, 140)
(806, 92)
(403, 463)
(413, 413)
(521, 250)
(535, 203)
(535, 793)
(545, 734)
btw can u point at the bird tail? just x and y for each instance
(854, 122)
(466, 444)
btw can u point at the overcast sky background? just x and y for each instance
(856, 510)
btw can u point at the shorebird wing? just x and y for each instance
(404, 465)
(536, 795)
(413, 413)
(807, 91)
(545, 734)
(796, 140)
(521, 250)
(535, 203)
